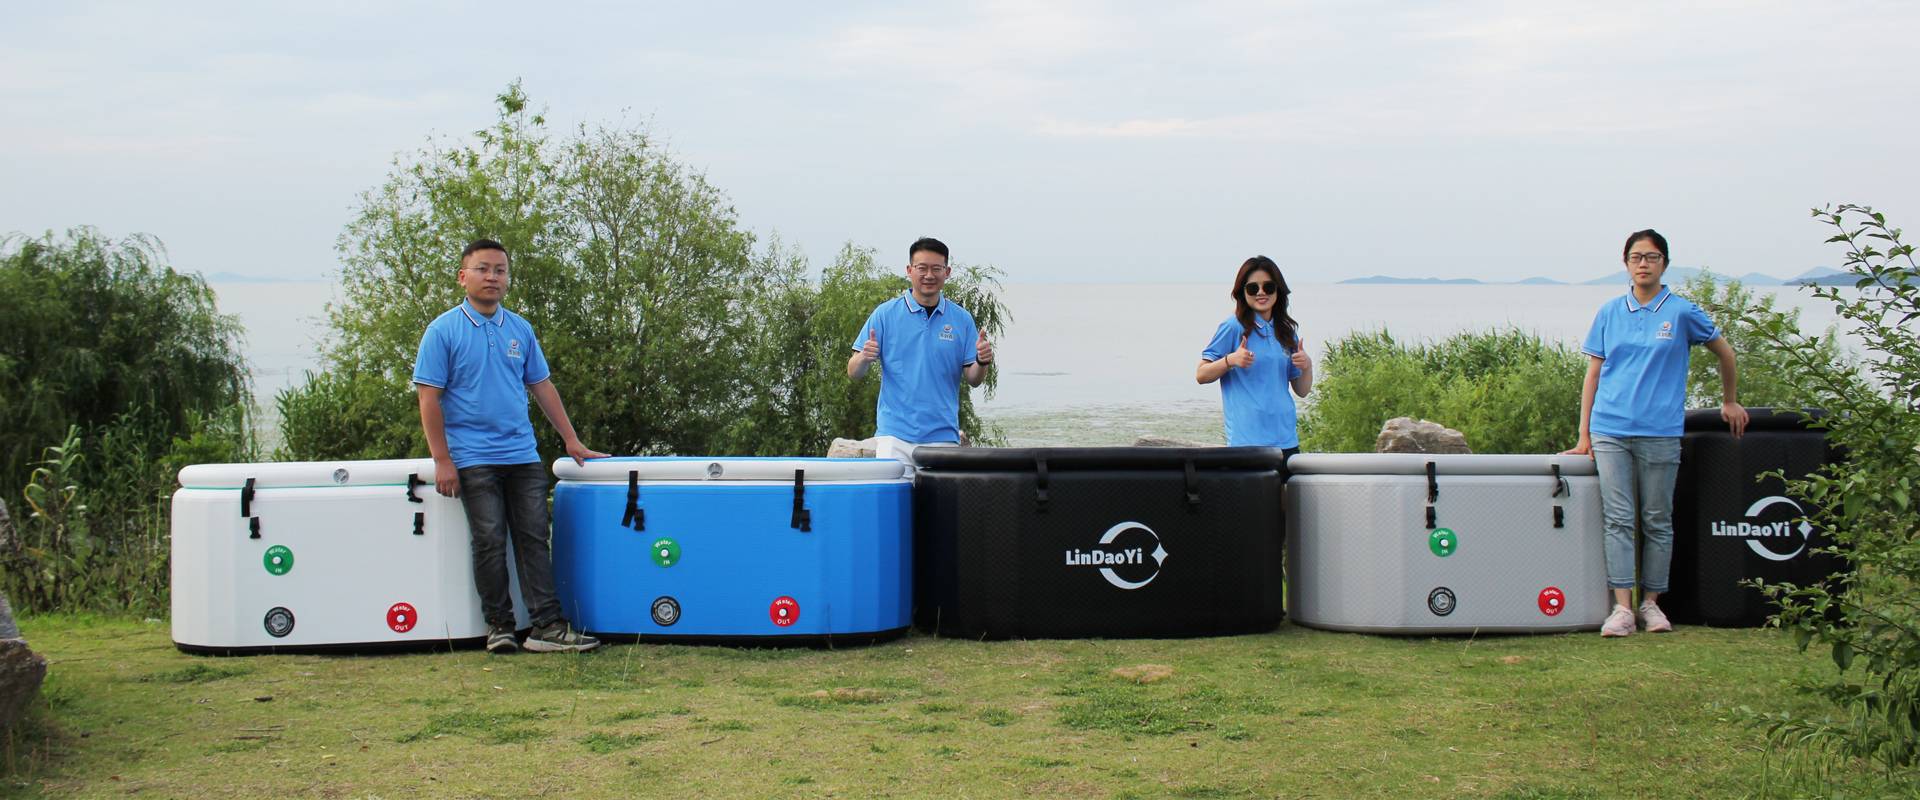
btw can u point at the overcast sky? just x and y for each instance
(1144, 141)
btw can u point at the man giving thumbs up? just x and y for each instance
(925, 345)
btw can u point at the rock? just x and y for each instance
(7, 629)
(6, 531)
(1167, 441)
(851, 448)
(21, 670)
(1407, 435)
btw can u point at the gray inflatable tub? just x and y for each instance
(1436, 544)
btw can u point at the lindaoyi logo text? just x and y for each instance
(1766, 539)
(1130, 548)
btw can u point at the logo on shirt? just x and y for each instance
(1666, 330)
(946, 334)
(513, 348)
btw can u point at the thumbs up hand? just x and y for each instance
(871, 351)
(1241, 357)
(1300, 358)
(983, 349)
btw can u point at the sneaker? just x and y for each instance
(559, 637)
(1655, 619)
(1619, 623)
(500, 640)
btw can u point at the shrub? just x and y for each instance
(1507, 391)
(1766, 376)
(116, 371)
(1869, 618)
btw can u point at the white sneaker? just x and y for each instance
(1619, 623)
(1655, 619)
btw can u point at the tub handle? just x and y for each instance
(246, 510)
(419, 523)
(1433, 494)
(1040, 484)
(1560, 489)
(635, 517)
(802, 518)
(414, 482)
(1193, 486)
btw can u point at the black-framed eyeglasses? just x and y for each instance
(1260, 287)
(1650, 258)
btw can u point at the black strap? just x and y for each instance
(802, 518)
(1559, 517)
(1431, 524)
(1040, 484)
(253, 524)
(414, 482)
(1433, 486)
(635, 516)
(1193, 487)
(246, 499)
(419, 523)
(1560, 489)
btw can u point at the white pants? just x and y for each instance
(901, 450)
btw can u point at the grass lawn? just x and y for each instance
(1293, 713)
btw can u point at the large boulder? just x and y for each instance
(1408, 435)
(21, 669)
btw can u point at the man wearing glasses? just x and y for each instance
(927, 344)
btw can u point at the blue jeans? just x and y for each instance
(1636, 480)
(505, 500)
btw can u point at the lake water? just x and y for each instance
(1090, 364)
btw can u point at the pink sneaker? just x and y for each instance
(1655, 619)
(1619, 623)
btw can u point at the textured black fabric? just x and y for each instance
(1758, 419)
(1022, 459)
(992, 560)
(1717, 486)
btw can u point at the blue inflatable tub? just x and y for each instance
(789, 550)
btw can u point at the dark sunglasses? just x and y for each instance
(1259, 287)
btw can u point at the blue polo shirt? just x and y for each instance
(921, 355)
(483, 366)
(1643, 367)
(1258, 400)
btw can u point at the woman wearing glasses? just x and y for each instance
(1632, 408)
(1257, 355)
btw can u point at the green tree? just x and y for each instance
(1766, 376)
(1868, 618)
(116, 370)
(668, 327)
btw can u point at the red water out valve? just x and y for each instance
(1552, 601)
(401, 617)
(785, 611)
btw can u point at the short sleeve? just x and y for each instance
(872, 324)
(1226, 339)
(1699, 327)
(1596, 342)
(536, 369)
(433, 365)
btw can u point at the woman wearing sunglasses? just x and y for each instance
(1632, 413)
(1257, 355)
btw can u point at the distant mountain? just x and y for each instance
(1537, 281)
(1391, 279)
(1824, 276)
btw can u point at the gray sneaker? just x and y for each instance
(559, 637)
(500, 640)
